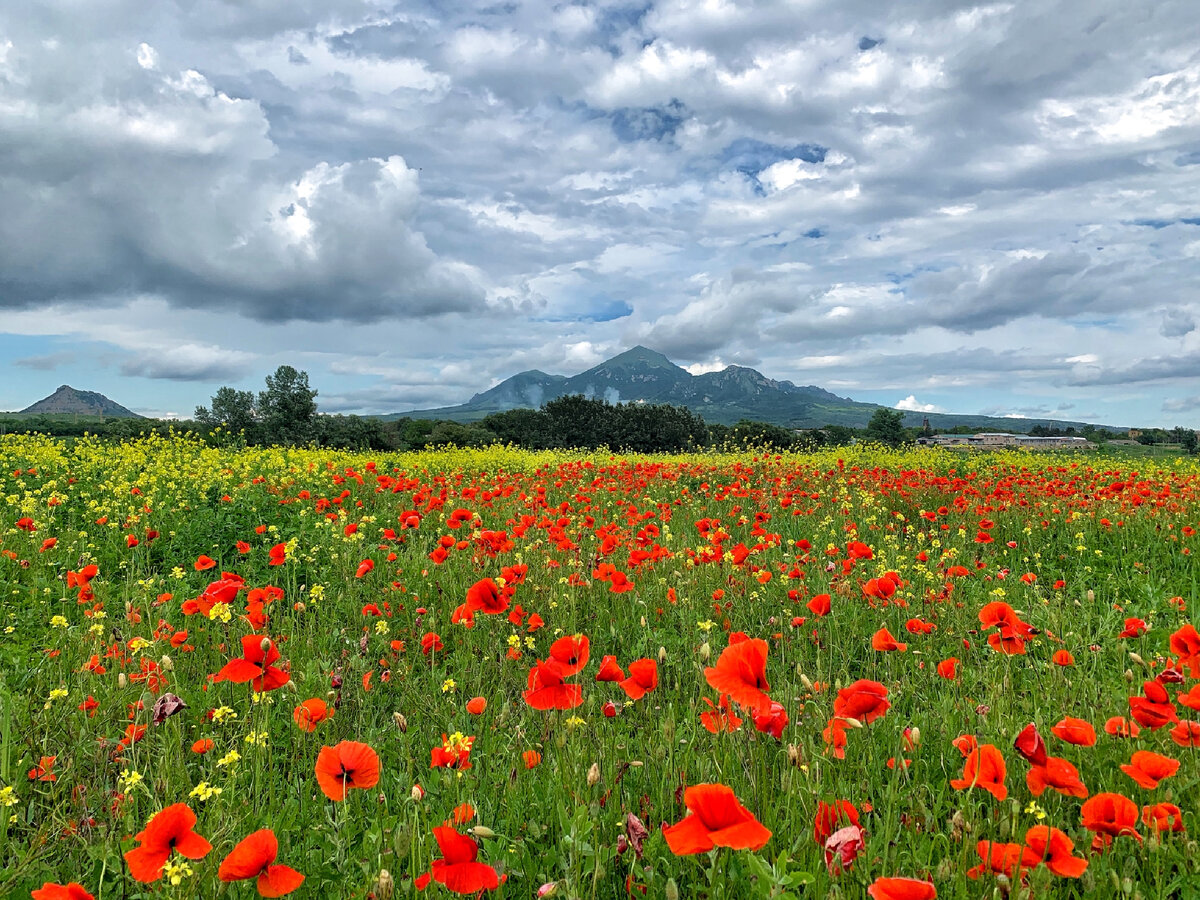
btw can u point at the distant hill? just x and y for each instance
(641, 375)
(69, 401)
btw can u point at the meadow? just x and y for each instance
(848, 673)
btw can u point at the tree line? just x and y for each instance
(285, 413)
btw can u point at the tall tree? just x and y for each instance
(288, 407)
(231, 408)
(886, 427)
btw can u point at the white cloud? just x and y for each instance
(912, 404)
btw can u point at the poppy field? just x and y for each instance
(850, 673)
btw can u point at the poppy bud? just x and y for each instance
(384, 886)
(804, 680)
(166, 664)
(945, 870)
(795, 755)
(609, 709)
(1115, 879)
(671, 891)
(662, 654)
(290, 685)
(593, 775)
(331, 694)
(417, 793)
(482, 831)
(401, 722)
(622, 845)
(122, 681)
(299, 607)
(705, 652)
(1137, 659)
(549, 889)
(1129, 675)
(264, 645)
(853, 723)
(643, 621)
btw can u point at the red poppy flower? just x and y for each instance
(716, 819)
(609, 670)
(819, 605)
(1118, 726)
(547, 690)
(1185, 643)
(72, 891)
(1134, 627)
(1045, 844)
(476, 706)
(1154, 710)
(1063, 658)
(741, 672)
(864, 700)
(999, 859)
(311, 713)
(720, 716)
(169, 829)
(1186, 734)
(1148, 768)
(44, 770)
(883, 641)
(458, 870)
(1075, 731)
(204, 563)
(843, 847)
(531, 758)
(1030, 745)
(486, 597)
(254, 857)
(832, 816)
(1190, 699)
(453, 753)
(430, 643)
(948, 668)
(570, 652)
(643, 678)
(984, 768)
(203, 745)
(255, 666)
(1109, 816)
(1163, 817)
(346, 765)
(277, 555)
(901, 889)
(1058, 774)
(773, 721)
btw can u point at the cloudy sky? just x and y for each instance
(926, 203)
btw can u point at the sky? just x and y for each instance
(927, 204)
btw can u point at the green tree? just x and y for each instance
(231, 408)
(886, 427)
(288, 407)
(1185, 437)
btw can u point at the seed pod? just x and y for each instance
(705, 652)
(385, 886)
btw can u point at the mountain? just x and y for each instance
(68, 401)
(641, 375)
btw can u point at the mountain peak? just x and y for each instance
(71, 401)
(640, 355)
